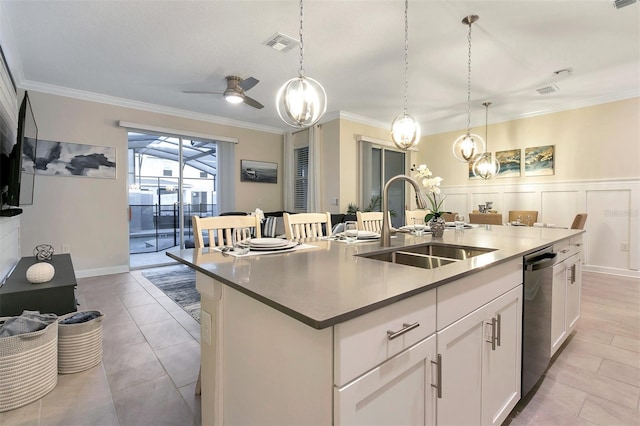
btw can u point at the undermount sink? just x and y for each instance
(427, 256)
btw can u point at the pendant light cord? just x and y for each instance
(301, 70)
(486, 125)
(469, 84)
(406, 53)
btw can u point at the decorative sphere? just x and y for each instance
(40, 272)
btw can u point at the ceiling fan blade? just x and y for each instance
(201, 91)
(252, 102)
(248, 83)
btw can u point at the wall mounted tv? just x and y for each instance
(11, 160)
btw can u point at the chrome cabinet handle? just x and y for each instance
(438, 364)
(499, 328)
(492, 338)
(405, 328)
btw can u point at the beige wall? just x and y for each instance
(598, 142)
(91, 215)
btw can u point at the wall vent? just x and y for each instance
(281, 42)
(622, 3)
(552, 88)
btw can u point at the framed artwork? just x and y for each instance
(539, 161)
(71, 159)
(258, 171)
(509, 163)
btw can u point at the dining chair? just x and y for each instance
(579, 221)
(527, 217)
(307, 225)
(485, 219)
(449, 217)
(370, 221)
(221, 229)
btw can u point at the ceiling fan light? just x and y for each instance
(233, 98)
(301, 102)
(486, 166)
(467, 146)
(405, 131)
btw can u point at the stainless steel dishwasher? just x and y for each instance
(536, 316)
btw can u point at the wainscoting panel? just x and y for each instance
(612, 236)
(610, 210)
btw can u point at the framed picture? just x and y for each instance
(539, 160)
(73, 159)
(509, 163)
(258, 171)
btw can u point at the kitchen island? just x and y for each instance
(324, 335)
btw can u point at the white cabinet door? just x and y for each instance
(461, 346)
(397, 392)
(558, 306)
(501, 378)
(480, 362)
(574, 289)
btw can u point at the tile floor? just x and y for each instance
(151, 361)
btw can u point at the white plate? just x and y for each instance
(288, 246)
(268, 242)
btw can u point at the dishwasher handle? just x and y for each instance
(541, 262)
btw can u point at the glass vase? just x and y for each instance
(437, 225)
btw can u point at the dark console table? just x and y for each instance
(56, 296)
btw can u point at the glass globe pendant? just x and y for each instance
(486, 165)
(405, 130)
(468, 146)
(301, 101)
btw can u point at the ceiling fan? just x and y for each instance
(236, 86)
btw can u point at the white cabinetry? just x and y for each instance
(565, 305)
(397, 392)
(383, 365)
(480, 362)
(479, 341)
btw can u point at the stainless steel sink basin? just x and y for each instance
(427, 256)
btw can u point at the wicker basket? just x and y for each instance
(28, 366)
(79, 345)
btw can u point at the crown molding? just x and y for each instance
(143, 106)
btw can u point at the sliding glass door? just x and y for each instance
(170, 179)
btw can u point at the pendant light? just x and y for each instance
(301, 101)
(467, 146)
(405, 130)
(486, 166)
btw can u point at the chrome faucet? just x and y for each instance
(385, 236)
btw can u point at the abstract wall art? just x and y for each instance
(70, 159)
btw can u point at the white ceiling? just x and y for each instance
(135, 52)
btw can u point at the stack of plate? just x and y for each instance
(368, 235)
(270, 244)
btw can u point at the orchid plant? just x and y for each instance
(432, 190)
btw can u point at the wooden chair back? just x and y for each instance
(485, 218)
(449, 217)
(307, 225)
(221, 229)
(370, 221)
(579, 221)
(527, 217)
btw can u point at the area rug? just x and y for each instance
(179, 284)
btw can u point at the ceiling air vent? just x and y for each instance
(619, 4)
(552, 88)
(281, 42)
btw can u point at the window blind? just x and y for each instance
(301, 159)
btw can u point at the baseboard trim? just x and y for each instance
(611, 271)
(84, 273)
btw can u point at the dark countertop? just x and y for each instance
(326, 285)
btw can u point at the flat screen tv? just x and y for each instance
(11, 159)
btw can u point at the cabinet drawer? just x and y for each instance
(363, 342)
